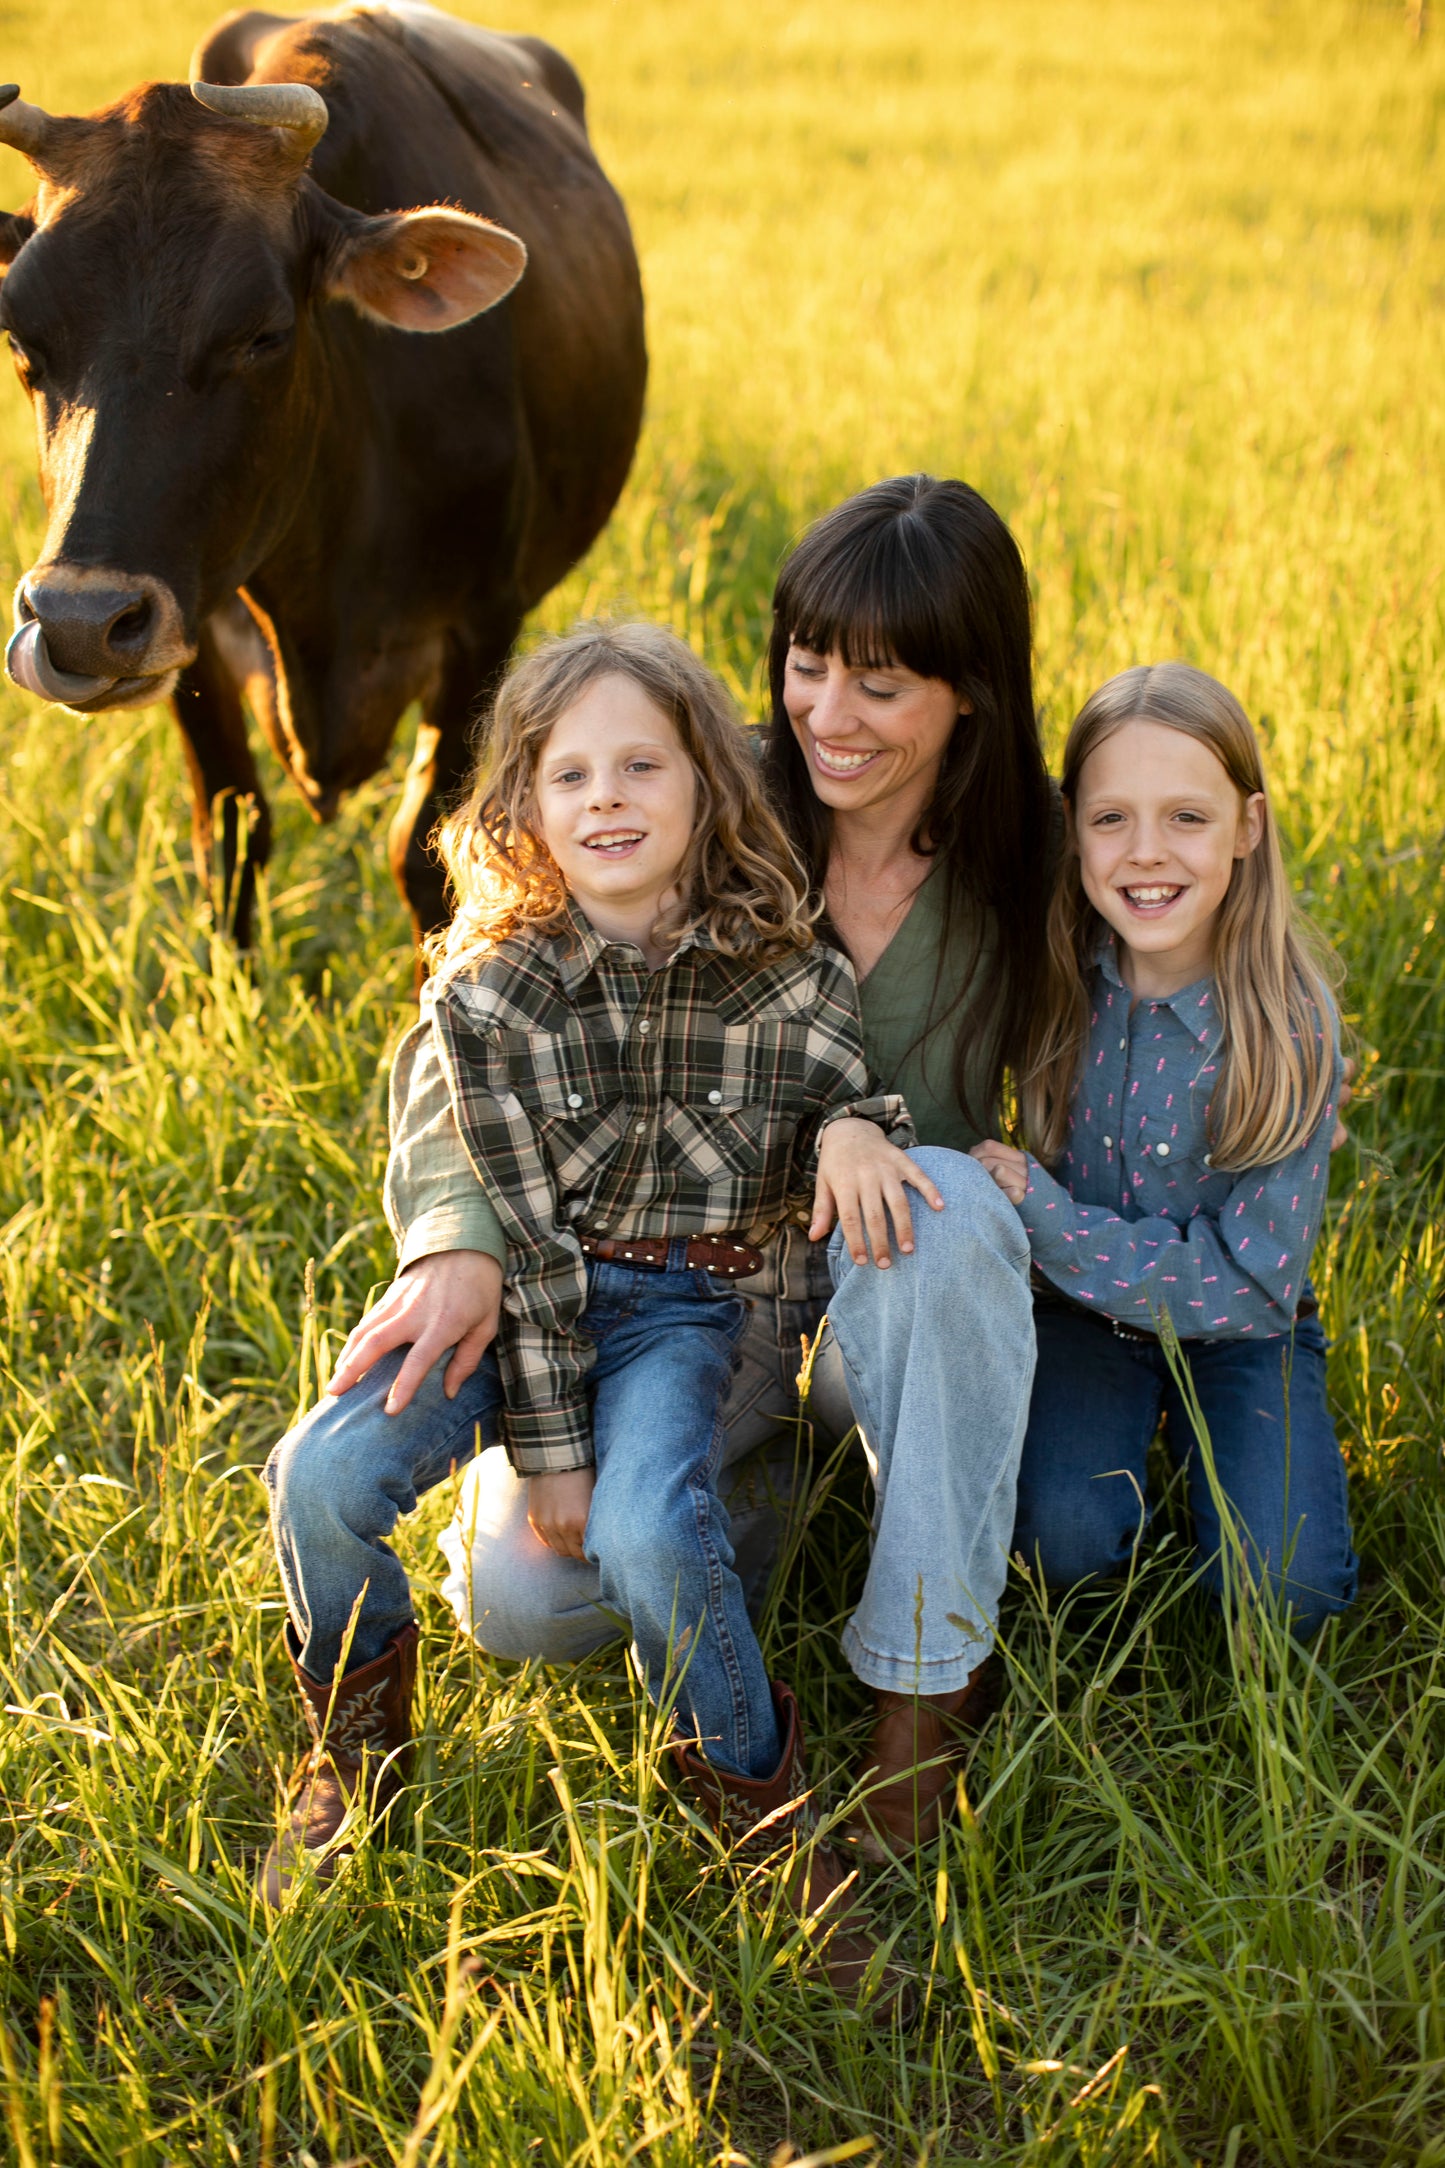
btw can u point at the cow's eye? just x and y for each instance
(265, 346)
(26, 359)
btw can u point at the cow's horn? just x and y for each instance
(270, 105)
(26, 128)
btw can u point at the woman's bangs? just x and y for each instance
(872, 606)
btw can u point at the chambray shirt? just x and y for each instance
(1137, 1221)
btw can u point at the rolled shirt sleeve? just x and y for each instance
(886, 1110)
(1222, 1274)
(432, 1198)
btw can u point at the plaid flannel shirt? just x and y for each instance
(592, 1094)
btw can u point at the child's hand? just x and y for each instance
(557, 1508)
(450, 1300)
(860, 1183)
(1009, 1168)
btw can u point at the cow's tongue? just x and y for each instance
(27, 659)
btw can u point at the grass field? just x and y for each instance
(1167, 284)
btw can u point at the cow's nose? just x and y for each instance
(94, 624)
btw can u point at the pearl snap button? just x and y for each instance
(1108, 1144)
(1162, 1150)
(1207, 1160)
(714, 1099)
(574, 1099)
(1123, 1046)
(642, 1129)
(646, 1024)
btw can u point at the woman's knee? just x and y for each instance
(517, 1604)
(510, 1593)
(978, 1229)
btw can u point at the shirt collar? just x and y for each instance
(582, 947)
(1194, 1005)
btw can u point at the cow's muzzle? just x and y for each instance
(93, 638)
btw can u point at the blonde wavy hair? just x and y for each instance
(741, 884)
(1272, 975)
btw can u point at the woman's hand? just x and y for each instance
(860, 1184)
(450, 1300)
(1009, 1168)
(557, 1509)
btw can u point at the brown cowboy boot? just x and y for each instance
(761, 1818)
(916, 1744)
(368, 1737)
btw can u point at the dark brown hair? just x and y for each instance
(924, 573)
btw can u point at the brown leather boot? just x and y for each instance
(772, 1817)
(916, 1744)
(368, 1739)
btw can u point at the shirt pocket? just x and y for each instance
(572, 1102)
(717, 1132)
(579, 1147)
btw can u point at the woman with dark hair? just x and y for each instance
(914, 593)
(903, 753)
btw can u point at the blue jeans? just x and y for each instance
(1098, 1398)
(932, 1359)
(657, 1535)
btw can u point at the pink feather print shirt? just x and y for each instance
(1135, 1221)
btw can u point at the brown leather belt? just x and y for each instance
(722, 1255)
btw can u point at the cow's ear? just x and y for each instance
(15, 231)
(425, 270)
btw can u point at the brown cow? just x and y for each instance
(258, 478)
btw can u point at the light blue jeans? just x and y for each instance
(932, 1359)
(657, 1535)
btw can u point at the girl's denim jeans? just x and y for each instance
(657, 1535)
(1083, 1498)
(933, 1359)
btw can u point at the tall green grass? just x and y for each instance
(1167, 283)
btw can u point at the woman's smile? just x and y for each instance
(870, 732)
(833, 760)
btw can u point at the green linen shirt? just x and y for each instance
(434, 1201)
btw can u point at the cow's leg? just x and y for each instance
(224, 784)
(439, 768)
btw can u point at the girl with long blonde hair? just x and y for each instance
(1179, 1102)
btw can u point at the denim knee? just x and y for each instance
(1315, 1590)
(1080, 1532)
(649, 1555)
(525, 1617)
(977, 1221)
(316, 1483)
(511, 1595)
